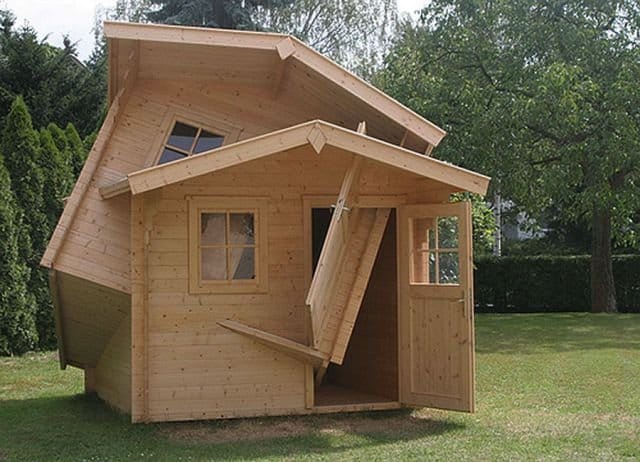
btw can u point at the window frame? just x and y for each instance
(231, 133)
(197, 205)
(423, 254)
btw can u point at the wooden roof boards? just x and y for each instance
(318, 134)
(254, 58)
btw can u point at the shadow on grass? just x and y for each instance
(82, 427)
(544, 332)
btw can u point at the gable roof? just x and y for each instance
(274, 49)
(316, 133)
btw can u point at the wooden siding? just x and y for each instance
(113, 371)
(197, 369)
(97, 243)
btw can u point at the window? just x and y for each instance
(434, 250)
(186, 140)
(227, 242)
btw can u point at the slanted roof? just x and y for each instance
(316, 133)
(280, 61)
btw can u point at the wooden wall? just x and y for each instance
(113, 371)
(97, 244)
(197, 369)
(371, 362)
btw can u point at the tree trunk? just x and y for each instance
(603, 291)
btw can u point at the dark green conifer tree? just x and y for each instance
(57, 178)
(77, 149)
(17, 306)
(20, 146)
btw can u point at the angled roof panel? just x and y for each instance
(316, 133)
(284, 47)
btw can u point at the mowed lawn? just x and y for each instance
(549, 387)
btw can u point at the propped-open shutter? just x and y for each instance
(344, 268)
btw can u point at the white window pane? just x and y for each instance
(213, 264)
(243, 264)
(212, 228)
(241, 229)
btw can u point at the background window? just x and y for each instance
(186, 140)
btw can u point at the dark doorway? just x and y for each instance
(320, 220)
(369, 373)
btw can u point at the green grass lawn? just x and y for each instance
(549, 387)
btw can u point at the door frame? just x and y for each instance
(393, 201)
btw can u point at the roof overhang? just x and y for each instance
(286, 47)
(317, 134)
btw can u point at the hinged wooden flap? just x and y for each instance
(344, 268)
(289, 347)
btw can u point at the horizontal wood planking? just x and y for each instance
(169, 52)
(128, 150)
(99, 224)
(186, 347)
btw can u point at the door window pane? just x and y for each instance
(448, 268)
(448, 232)
(434, 252)
(422, 228)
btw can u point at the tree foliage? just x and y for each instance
(226, 14)
(56, 86)
(355, 33)
(17, 306)
(20, 146)
(543, 96)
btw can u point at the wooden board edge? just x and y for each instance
(57, 316)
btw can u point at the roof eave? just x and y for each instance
(307, 133)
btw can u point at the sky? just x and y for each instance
(76, 18)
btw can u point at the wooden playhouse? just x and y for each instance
(257, 231)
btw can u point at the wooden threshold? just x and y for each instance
(296, 350)
(334, 398)
(358, 407)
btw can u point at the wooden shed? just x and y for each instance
(257, 231)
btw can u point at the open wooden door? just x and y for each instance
(435, 316)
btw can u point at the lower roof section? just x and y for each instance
(317, 134)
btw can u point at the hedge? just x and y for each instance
(549, 283)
